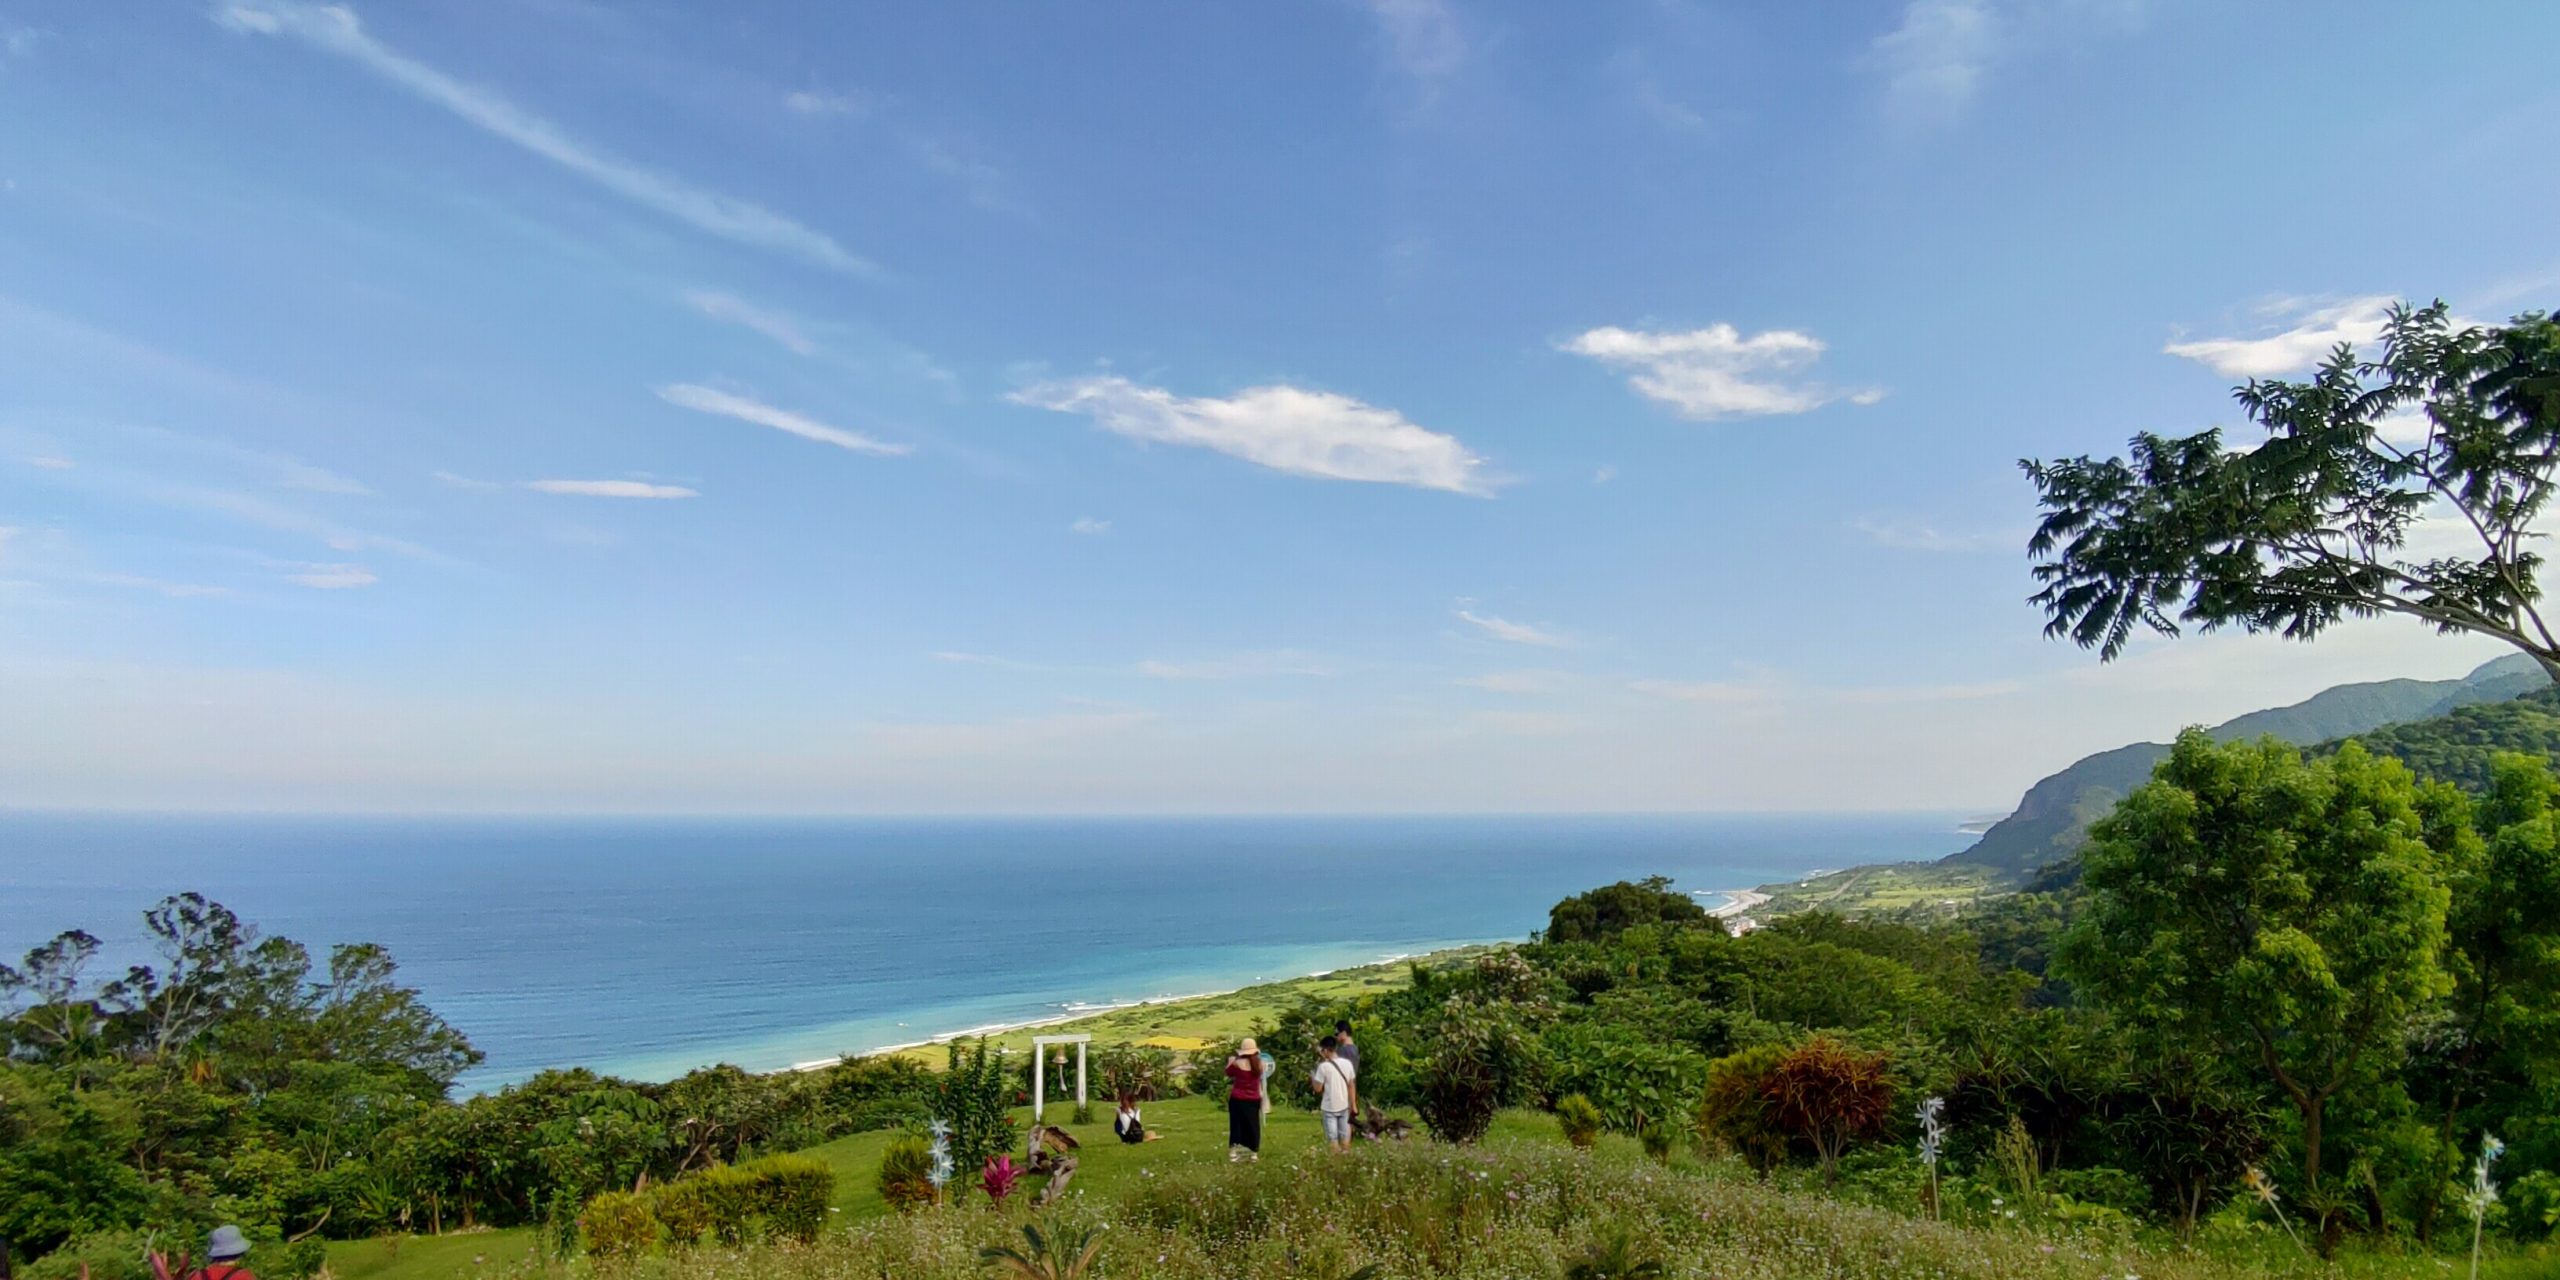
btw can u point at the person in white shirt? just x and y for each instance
(1337, 1084)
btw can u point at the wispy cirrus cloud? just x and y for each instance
(2314, 330)
(1515, 632)
(711, 400)
(1285, 428)
(1716, 372)
(1526, 684)
(49, 462)
(333, 577)
(1423, 42)
(783, 329)
(826, 102)
(610, 489)
(335, 30)
(1089, 527)
(1940, 52)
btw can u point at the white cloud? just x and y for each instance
(1532, 684)
(1515, 632)
(49, 462)
(1307, 433)
(1241, 666)
(333, 577)
(708, 400)
(1934, 61)
(1909, 535)
(1089, 526)
(781, 328)
(334, 30)
(1938, 55)
(2315, 331)
(1716, 372)
(1604, 473)
(610, 489)
(1423, 40)
(818, 102)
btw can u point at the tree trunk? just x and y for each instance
(2312, 1108)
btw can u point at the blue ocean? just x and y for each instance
(648, 947)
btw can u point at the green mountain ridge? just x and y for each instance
(2052, 819)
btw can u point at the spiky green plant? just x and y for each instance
(1579, 1119)
(1614, 1258)
(1064, 1253)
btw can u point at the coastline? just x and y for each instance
(1176, 1016)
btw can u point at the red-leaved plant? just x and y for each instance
(998, 1178)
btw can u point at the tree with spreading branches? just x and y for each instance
(2407, 485)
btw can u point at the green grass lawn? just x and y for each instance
(1194, 1134)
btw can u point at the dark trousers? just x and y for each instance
(1244, 1123)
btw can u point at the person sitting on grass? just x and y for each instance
(1131, 1129)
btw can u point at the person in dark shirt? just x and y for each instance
(1343, 1046)
(1244, 1102)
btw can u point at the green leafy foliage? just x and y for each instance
(1579, 1119)
(1605, 912)
(2312, 526)
(2293, 913)
(618, 1224)
(975, 1096)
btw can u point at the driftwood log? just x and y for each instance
(1050, 1146)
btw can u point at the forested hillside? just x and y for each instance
(2052, 821)
(2458, 747)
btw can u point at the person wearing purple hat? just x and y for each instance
(223, 1251)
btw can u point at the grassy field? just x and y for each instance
(1194, 1129)
(1194, 1139)
(1885, 887)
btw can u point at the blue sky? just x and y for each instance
(1405, 405)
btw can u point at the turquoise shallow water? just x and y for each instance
(652, 946)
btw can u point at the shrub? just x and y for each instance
(1736, 1112)
(617, 1224)
(1142, 1071)
(975, 1097)
(793, 1192)
(1205, 1074)
(300, 1260)
(1829, 1094)
(1656, 1138)
(905, 1169)
(1635, 1082)
(1479, 1059)
(1579, 1119)
(102, 1255)
(682, 1210)
(730, 1198)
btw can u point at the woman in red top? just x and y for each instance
(1244, 1102)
